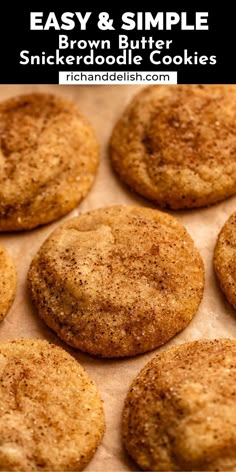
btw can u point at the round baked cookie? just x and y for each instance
(48, 160)
(225, 259)
(117, 281)
(7, 282)
(51, 415)
(176, 145)
(180, 412)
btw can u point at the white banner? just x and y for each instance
(116, 78)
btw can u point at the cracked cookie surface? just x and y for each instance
(48, 160)
(51, 415)
(225, 259)
(180, 412)
(176, 145)
(117, 281)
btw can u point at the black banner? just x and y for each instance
(38, 43)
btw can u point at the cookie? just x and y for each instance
(176, 145)
(7, 282)
(180, 412)
(225, 259)
(48, 160)
(51, 415)
(117, 281)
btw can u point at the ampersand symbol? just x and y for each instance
(105, 23)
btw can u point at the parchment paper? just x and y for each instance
(215, 318)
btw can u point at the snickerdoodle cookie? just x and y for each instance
(48, 160)
(176, 145)
(7, 282)
(117, 281)
(51, 415)
(225, 259)
(180, 412)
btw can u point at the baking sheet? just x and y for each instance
(215, 318)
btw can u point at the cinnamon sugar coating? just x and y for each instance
(117, 281)
(176, 145)
(51, 415)
(225, 259)
(7, 282)
(48, 160)
(180, 412)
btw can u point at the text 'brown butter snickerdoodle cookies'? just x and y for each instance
(48, 160)
(180, 412)
(7, 282)
(176, 145)
(225, 259)
(117, 281)
(51, 416)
